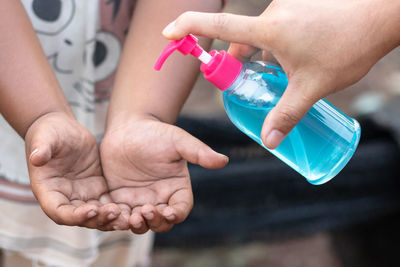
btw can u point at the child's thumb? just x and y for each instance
(40, 156)
(196, 152)
(41, 149)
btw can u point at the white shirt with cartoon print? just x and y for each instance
(82, 40)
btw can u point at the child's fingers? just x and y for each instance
(179, 206)
(58, 207)
(196, 152)
(91, 214)
(79, 213)
(138, 224)
(155, 221)
(68, 214)
(151, 216)
(107, 214)
(122, 221)
(108, 217)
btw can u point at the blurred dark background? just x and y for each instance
(259, 212)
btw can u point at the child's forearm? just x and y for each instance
(28, 87)
(138, 88)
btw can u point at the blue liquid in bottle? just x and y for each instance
(318, 147)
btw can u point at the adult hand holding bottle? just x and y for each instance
(322, 46)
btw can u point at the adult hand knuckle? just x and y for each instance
(289, 115)
(276, 23)
(184, 19)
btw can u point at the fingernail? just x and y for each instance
(169, 215)
(169, 29)
(222, 155)
(137, 225)
(149, 215)
(111, 216)
(274, 138)
(34, 151)
(91, 214)
(225, 157)
(116, 227)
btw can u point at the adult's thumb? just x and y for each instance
(290, 109)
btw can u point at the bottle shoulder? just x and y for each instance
(259, 80)
(271, 72)
(263, 67)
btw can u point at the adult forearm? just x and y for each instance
(389, 12)
(138, 88)
(28, 87)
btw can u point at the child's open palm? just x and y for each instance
(66, 175)
(145, 164)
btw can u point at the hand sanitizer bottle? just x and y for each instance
(318, 147)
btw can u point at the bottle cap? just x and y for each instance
(218, 67)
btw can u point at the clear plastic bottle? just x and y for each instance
(318, 147)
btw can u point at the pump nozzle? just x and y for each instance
(186, 45)
(220, 68)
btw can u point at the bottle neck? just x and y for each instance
(238, 82)
(222, 70)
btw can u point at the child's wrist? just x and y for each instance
(120, 119)
(45, 115)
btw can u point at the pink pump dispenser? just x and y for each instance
(218, 67)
